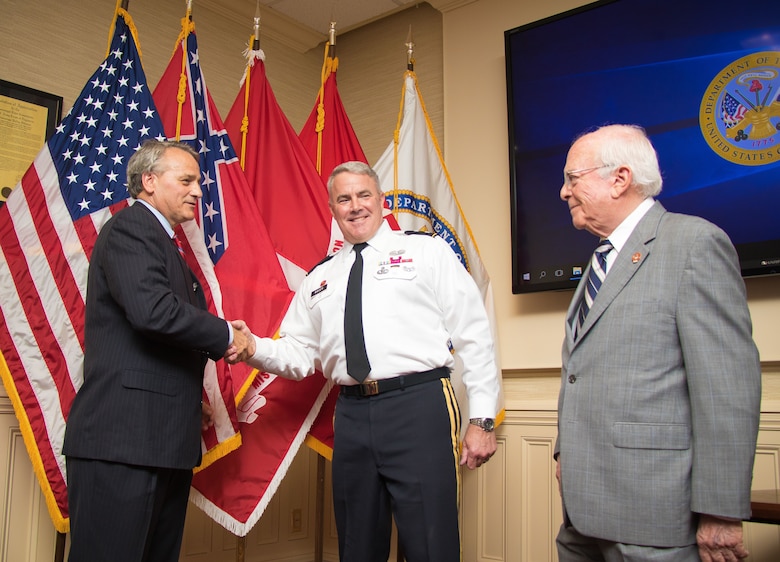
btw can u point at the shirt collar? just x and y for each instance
(158, 215)
(379, 241)
(620, 235)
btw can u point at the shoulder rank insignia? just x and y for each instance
(323, 260)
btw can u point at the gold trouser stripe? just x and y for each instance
(454, 410)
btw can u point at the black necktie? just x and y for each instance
(598, 271)
(358, 366)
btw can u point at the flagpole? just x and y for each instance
(409, 50)
(396, 134)
(319, 510)
(59, 548)
(399, 551)
(186, 26)
(332, 40)
(319, 504)
(256, 28)
(255, 46)
(252, 53)
(328, 65)
(240, 548)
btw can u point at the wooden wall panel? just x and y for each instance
(762, 540)
(26, 531)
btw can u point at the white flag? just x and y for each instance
(419, 190)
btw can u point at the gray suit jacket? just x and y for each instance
(659, 400)
(147, 337)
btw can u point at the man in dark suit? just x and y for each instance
(659, 403)
(133, 432)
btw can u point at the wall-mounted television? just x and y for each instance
(701, 76)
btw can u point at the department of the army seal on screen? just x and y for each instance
(739, 114)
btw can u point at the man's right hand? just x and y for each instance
(243, 346)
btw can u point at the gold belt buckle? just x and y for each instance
(370, 388)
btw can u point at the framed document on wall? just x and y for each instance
(27, 119)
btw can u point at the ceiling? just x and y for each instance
(348, 14)
(304, 24)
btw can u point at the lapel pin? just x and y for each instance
(636, 257)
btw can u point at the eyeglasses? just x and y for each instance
(572, 175)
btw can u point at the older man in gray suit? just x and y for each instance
(660, 390)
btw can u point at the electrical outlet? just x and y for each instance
(296, 521)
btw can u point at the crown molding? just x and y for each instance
(448, 5)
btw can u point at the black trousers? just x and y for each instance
(125, 513)
(397, 453)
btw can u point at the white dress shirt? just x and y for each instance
(620, 235)
(419, 302)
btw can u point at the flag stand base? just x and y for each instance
(319, 525)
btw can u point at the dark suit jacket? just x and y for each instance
(659, 402)
(147, 338)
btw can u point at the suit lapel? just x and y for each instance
(630, 259)
(187, 289)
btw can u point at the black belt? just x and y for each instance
(372, 388)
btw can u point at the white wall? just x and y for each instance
(476, 152)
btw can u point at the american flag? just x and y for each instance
(732, 112)
(47, 231)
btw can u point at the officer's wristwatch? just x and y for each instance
(487, 424)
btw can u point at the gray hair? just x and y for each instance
(147, 160)
(354, 167)
(628, 145)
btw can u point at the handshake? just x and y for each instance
(243, 346)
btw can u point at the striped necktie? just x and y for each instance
(598, 271)
(178, 245)
(358, 365)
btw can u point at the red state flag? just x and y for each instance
(289, 195)
(281, 176)
(328, 135)
(247, 283)
(330, 140)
